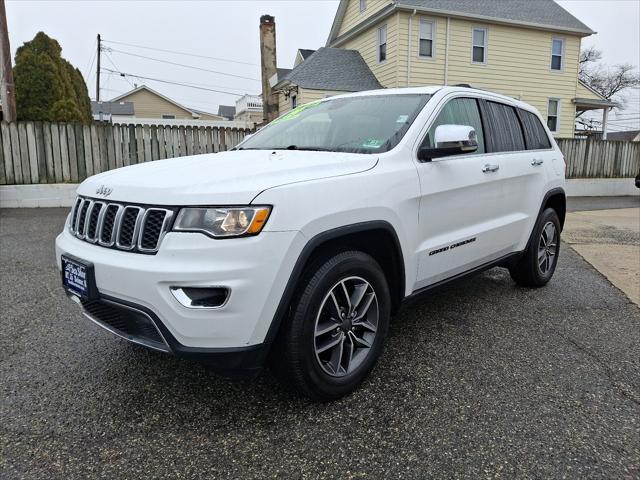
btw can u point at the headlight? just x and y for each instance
(222, 222)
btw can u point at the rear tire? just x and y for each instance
(336, 329)
(537, 265)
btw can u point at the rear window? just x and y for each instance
(502, 130)
(534, 133)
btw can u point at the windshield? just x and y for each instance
(367, 124)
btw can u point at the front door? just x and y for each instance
(464, 219)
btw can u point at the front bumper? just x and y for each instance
(255, 269)
(140, 325)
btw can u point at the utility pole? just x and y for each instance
(97, 71)
(7, 87)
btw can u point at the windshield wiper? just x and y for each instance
(310, 149)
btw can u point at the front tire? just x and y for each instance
(537, 265)
(335, 333)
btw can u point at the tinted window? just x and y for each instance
(534, 133)
(504, 133)
(459, 111)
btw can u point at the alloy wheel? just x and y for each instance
(346, 326)
(547, 247)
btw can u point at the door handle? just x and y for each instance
(535, 162)
(490, 168)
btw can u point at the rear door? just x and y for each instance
(541, 161)
(523, 153)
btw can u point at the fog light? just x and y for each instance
(201, 297)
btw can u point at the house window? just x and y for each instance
(426, 38)
(479, 50)
(168, 116)
(382, 43)
(363, 5)
(294, 101)
(557, 54)
(553, 111)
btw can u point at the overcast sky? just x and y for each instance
(229, 30)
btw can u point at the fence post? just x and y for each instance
(71, 149)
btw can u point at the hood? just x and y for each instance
(226, 178)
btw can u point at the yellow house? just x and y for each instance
(147, 103)
(527, 49)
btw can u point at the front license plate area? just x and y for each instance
(78, 277)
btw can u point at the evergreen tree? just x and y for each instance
(49, 88)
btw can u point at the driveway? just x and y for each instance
(483, 379)
(609, 239)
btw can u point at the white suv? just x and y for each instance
(298, 246)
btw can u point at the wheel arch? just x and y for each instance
(377, 238)
(556, 199)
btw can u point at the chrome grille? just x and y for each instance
(106, 229)
(92, 222)
(128, 227)
(115, 225)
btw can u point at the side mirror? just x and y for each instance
(450, 140)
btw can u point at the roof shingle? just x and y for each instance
(539, 12)
(227, 111)
(334, 69)
(112, 108)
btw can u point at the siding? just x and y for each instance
(206, 116)
(284, 103)
(353, 17)
(584, 92)
(148, 105)
(307, 95)
(518, 65)
(304, 96)
(424, 71)
(367, 44)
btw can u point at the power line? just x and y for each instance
(93, 59)
(182, 53)
(620, 129)
(183, 65)
(189, 84)
(117, 69)
(623, 120)
(122, 74)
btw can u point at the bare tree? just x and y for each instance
(608, 82)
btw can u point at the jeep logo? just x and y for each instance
(104, 191)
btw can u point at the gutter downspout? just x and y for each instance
(605, 114)
(409, 49)
(446, 53)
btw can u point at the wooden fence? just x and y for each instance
(600, 158)
(39, 152)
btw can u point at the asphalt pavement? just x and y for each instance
(481, 380)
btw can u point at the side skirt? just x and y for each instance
(503, 261)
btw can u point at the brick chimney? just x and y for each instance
(268, 66)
